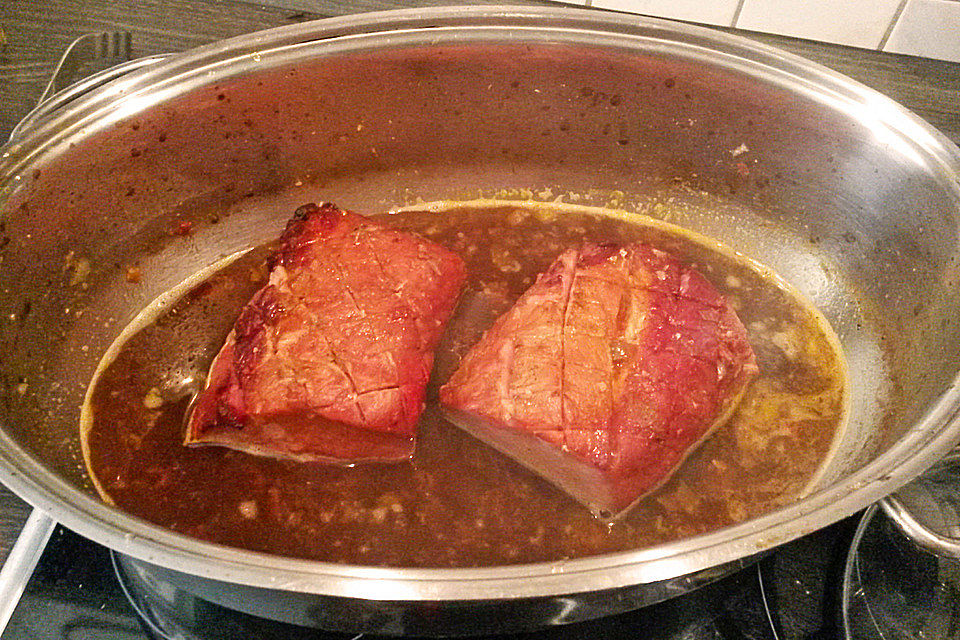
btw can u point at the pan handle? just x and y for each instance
(23, 557)
(927, 510)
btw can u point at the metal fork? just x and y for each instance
(88, 54)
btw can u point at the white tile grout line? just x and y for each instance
(893, 23)
(739, 9)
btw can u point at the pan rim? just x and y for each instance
(932, 436)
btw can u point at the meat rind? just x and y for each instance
(607, 372)
(330, 360)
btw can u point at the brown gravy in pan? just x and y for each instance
(457, 502)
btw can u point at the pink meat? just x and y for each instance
(330, 360)
(606, 373)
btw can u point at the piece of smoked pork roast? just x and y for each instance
(606, 373)
(330, 360)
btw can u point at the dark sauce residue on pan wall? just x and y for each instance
(458, 502)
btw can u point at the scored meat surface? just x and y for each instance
(330, 360)
(606, 373)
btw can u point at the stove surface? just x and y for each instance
(75, 594)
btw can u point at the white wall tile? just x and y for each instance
(859, 23)
(719, 12)
(929, 28)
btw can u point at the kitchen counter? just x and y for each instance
(35, 33)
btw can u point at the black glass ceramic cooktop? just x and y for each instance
(75, 594)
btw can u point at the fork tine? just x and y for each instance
(126, 45)
(103, 45)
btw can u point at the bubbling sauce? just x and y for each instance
(457, 502)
